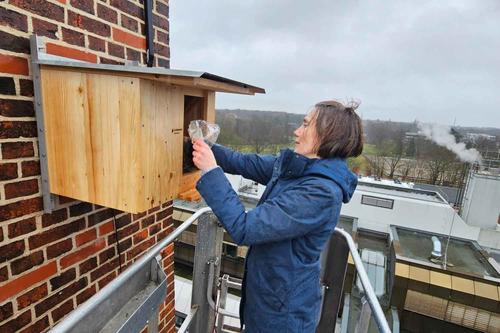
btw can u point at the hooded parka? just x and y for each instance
(285, 233)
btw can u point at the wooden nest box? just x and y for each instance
(115, 135)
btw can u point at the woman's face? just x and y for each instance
(306, 136)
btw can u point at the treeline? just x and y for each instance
(392, 149)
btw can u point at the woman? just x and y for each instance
(296, 215)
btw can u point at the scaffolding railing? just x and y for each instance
(104, 312)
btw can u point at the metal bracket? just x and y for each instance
(49, 199)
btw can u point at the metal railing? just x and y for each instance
(206, 281)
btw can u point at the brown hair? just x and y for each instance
(339, 129)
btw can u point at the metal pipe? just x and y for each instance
(379, 315)
(83, 310)
(436, 247)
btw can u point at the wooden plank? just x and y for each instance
(67, 133)
(209, 106)
(188, 181)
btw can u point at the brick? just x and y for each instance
(64, 200)
(163, 63)
(7, 85)
(100, 216)
(6, 311)
(21, 189)
(97, 44)
(85, 237)
(13, 19)
(125, 245)
(116, 50)
(63, 279)
(11, 250)
(42, 8)
(162, 8)
(106, 255)
(30, 168)
(162, 50)
(104, 269)
(129, 39)
(107, 13)
(15, 324)
(133, 55)
(160, 22)
(22, 227)
(106, 228)
(39, 326)
(80, 209)
(154, 209)
(140, 248)
(68, 52)
(89, 24)
(60, 297)
(85, 5)
(32, 296)
(163, 37)
(56, 233)
(127, 231)
(88, 265)
(15, 286)
(129, 8)
(17, 129)
(26, 87)
(55, 250)
(73, 37)
(138, 216)
(27, 262)
(123, 220)
(8, 171)
(62, 310)
(14, 43)
(164, 214)
(129, 23)
(17, 149)
(13, 65)
(108, 61)
(140, 236)
(16, 108)
(83, 253)
(44, 28)
(105, 280)
(55, 217)
(85, 295)
(4, 274)
(154, 229)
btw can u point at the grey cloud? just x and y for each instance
(405, 60)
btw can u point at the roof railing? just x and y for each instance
(98, 312)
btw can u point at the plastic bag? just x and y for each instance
(200, 129)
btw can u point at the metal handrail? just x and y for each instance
(378, 314)
(83, 310)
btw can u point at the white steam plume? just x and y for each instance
(441, 135)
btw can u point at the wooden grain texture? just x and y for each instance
(117, 141)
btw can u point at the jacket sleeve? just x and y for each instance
(251, 166)
(295, 212)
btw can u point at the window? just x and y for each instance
(230, 250)
(377, 202)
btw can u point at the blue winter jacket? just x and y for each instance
(286, 232)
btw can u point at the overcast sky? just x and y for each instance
(404, 60)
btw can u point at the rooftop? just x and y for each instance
(464, 256)
(399, 191)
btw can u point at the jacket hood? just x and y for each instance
(335, 169)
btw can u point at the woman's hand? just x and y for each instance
(203, 157)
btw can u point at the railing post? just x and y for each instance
(334, 271)
(208, 249)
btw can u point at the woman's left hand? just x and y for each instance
(203, 157)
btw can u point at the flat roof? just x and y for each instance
(404, 192)
(464, 256)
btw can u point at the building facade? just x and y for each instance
(51, 263)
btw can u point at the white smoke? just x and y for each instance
(442, 136)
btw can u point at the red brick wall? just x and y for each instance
(51, 263)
